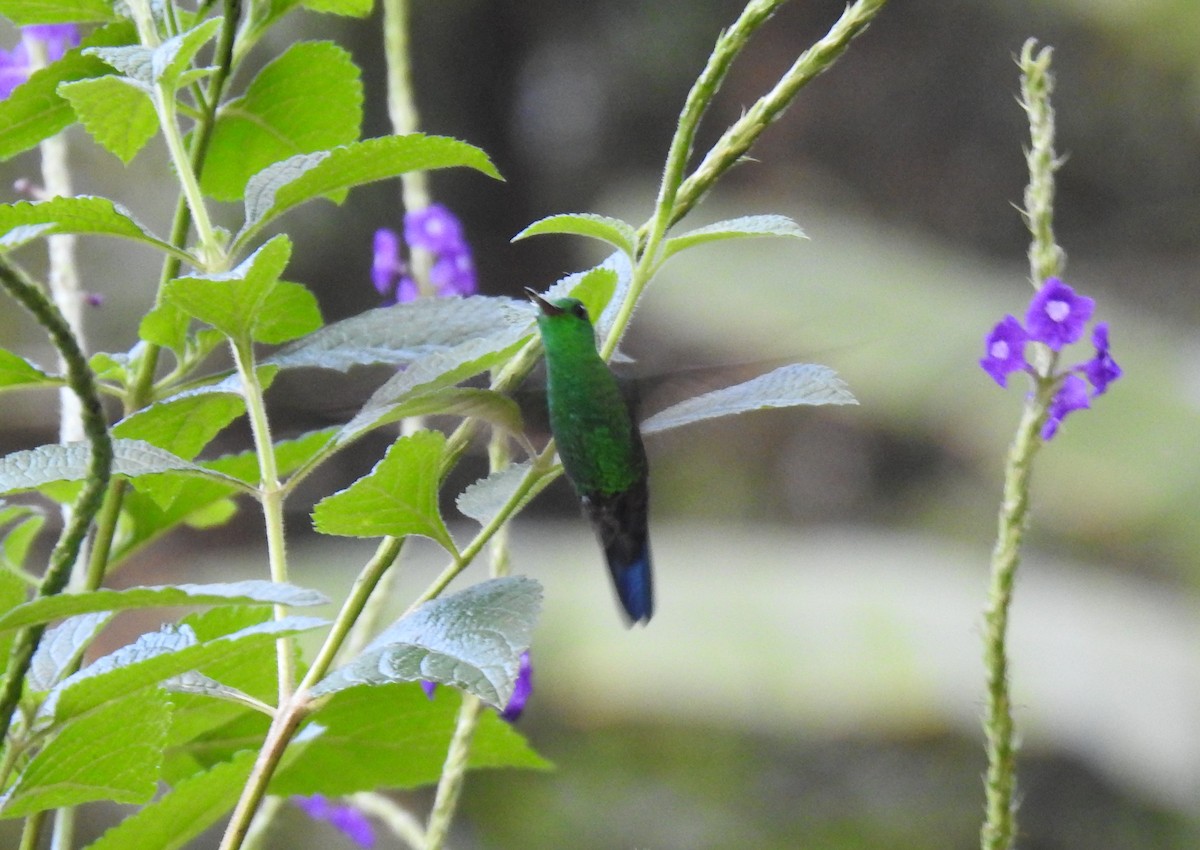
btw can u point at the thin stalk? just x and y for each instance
(1046, 258)
(271, 496)
(453, 773)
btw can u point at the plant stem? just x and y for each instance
(1046, 258)
(453, 773)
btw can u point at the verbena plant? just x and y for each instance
(219, 714)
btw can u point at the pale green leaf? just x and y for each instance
(615, 232)
(84, 215)
(398, 497)
(391, 736)
(483, 499)
(46, 609)
(183, 811)
(307, 99)
(113, 753)
(61, 648)
(283, 185)
(33, 468)
(350, 8)
(117, 112)
(17, 371)
(497, 409)
(402, 333)
(472, 640)
(787, 386)
(25, 12)
(737, 228)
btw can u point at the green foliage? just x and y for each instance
(621, 235)
(82, 214)
(308, 99)
(737, 228)
(16, 371)
(472, 640)
(35, 110)
(391, 736)
(398, 497)
(116, 111)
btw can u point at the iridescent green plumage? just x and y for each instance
(600, 447)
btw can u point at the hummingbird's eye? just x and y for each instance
(579, 310)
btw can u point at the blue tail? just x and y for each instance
(635, 587)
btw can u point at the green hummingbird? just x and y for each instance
(600, 447)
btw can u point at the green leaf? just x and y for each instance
(61, 648)
(402, 333)
(184, 811)
(173, 58)
(787, 386)
(13, 591)
(352, 8)
(308, 99)
(391, 736)
(46, 609)
(17, 372)
(85, 215)
(595, 288)
(435, 371)
(492, 407)
(472, 640)
(154, 658)
(601, 288)
(290, 455)
(33, 468)
(284, 185)
(736, 228)
(621, 235)
(398, 497)
(20, 537)
(25, 12)
(183, 425)
(250, 303)
(113, 753)
(483, 499)
(35, 111)
(117, 112)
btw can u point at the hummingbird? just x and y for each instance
(600, 447)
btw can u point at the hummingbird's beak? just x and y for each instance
(547, 308)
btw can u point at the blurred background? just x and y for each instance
(812, 677)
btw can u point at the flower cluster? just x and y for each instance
(520, 696)
(16, 64)
(344, 818)
(434, 229)
(1056, 318)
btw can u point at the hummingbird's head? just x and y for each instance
(558, 307)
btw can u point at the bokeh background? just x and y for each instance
(812, 676)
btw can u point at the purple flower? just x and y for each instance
(1101, 370)
(522, 691)
(434, 229)
(1005, 347)
(344, 818)
(1057, 315)
(387, 266)
(15, 64)
(430, 688)
(1072, 395)
(453, 274)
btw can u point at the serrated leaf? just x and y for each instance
(46, 609)
(398, 497)
(290, 455)
(590, 286)
(135, 61)
(35, 111)
(174, 56)
(61, 648)
(154, 658)
(183, 426)
(83, 215)
(787, 386)
(17, 371)
(472, 640)
(113, 753)
(117, 113)
(184, 811)
(483, 499)
(497, 409)
(615, 232)
(391, 736)
(403, 332)
(434, 371)
(33, 468)
(736, 228)
(308, 99)
(250, 303)
(25, 12)
(284, 185)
